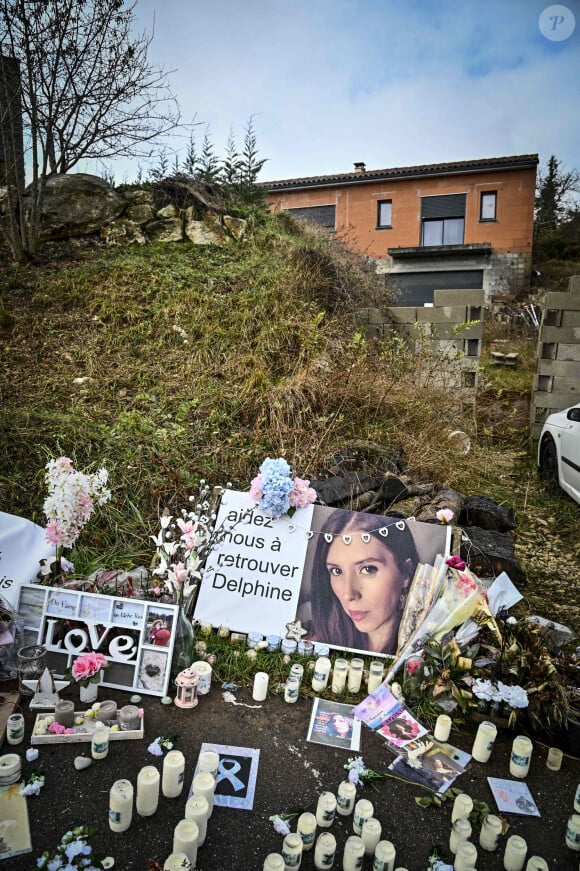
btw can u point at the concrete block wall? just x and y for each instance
(557, 380)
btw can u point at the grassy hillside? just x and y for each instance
(167, 364)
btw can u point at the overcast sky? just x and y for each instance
(387, 82)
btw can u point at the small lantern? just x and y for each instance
(186, 683)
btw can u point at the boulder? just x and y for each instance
(236, 227)
(204, 233)
(123, 232)
(168, 211)
(484, 512)
(140, 213)
(168, 230)
(76, 204)
(489, 553)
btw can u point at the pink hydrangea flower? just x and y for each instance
(302, 494)
(256, 492)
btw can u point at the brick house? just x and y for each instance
(462, 225)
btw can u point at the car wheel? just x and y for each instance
(549, 462)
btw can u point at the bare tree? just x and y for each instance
(88, 88)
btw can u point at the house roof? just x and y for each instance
(518, 161)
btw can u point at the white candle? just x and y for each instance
(442, 728)
(274, 862)
(177, 862)
(306, 828)
(465, 857)
(462, 807)
(185, 838)
(10, 766)
(515, 853)
(355, 672)
(376, 674)
(484, 740)
(339, 674)
(120, 805)
(371, 834)
(384, 856)
(100, 741)
(353, 854)
(536, 863)
(345, 798)
(554, 759)
(208, 761)
(204, 784)
(173, 774)
(292, 851)
(577, 799)
(573, 833)
(203, 670)
(324, 851)
(291, 690)
(491, 829)
(363, 810)
(520, 756)
(325, 810)
(147, 799)
(321, 674)
(197, 810)
(297, 671)
(15, 728)
(460, 831)
(260, 690)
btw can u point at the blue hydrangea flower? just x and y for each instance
(276, 486)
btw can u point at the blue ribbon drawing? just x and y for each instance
(230, 773)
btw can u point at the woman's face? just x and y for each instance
(367, 582)
(341, 724)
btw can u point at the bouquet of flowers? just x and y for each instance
(276, 492)
(74, 851)
(87, 668)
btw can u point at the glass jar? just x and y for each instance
(31, 664)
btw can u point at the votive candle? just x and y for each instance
(520, 756)
(355, 672)
(442, 728)
(363, 810)
(208, 761)
(484, 741)
(536, 863)
(197, 810)
(321, 674)
(64, 713)
(274, 862)
(384, 856)
(462, 807)
(291, 690)
(573, 833)
(260, 690)
(353, 853)
(185, 838)
(306, 828)
(326, 810)
(108, 711)
(339, 674)
(292, 850)
(15, 729)
(491, 829)
(177, 862)
(376, 674)
(129, 718)
(554, 759)
(371, 834)
(324, 851)
(345, 798)
(120, 805)
(204, 784)
(100, 741)
(515, 853)
(147, 799)
(173, 774)
(465, 857)
(204, 671)
(297, 671)
(460, 831)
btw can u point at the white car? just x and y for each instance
(559, 450)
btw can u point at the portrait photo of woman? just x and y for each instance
(333, 723)
(362, 570)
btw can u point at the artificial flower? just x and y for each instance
(280, 825)
(444, 515)
(87, 667)
(276, 492)
(33, 785)
(455, 562)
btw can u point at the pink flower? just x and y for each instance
(456, 562)
(156, 591)
(55, 533)
(445, 515)
(256, 492)
(57, 729)
(87, 665)
(188, 530)
(302, 494)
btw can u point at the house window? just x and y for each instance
(384, 214)
(324, 216)
(488, 206)
(443, 219)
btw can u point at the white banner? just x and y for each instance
(22, 546)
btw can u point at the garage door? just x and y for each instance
(416, 288)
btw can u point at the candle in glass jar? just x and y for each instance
(536, 863)
(577, 799)
(324, 851)
(204, 671)
(291, 690)
(460, 831)
(185, 838)
(484, 740)
(384, 856)
(260, 690)
(147, 798)
(462, 807)
(306, 828)
(273, 644)
(573, 833)
(515, 853)
(15, 729)
(353, 853)
(292, 850)
(371, 834)
(204, 784)
(554, 759)
(491, 829)
(107, 711)
(355, 672)
(442, 728)
(345, 798)
(100, 741)
(520, 756)
(129, 718)
(173, 774)
(208, 761)
(197, 810)
(363, 810)
(339, 674)
(325, 810)
(288, 645)
(177, 862)
(120, 805)
(305, 648)
(274, 862)
(376, 674)
(465, 857)
(64, 713)
(297, 671)
(321, 674)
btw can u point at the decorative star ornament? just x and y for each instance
(46, 690)
(294, 631)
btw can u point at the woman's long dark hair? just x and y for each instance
(331, 624)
